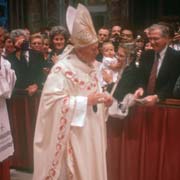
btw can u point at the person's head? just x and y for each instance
(108, 49)
(116, 30)
(139, 42)
(103, 34)
(83, 34)
(171, 29)
(127, 36)
(115, 36)
(122, 53)
(46, 45)
(36, 42)
(159, 36)
(8, 44)
(80, 26)
(58, 37)
(87, 54)
(18, 36)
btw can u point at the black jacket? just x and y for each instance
(168, 73)
(128, 83)
(27, 73)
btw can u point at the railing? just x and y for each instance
(4, 170)
(144, 146)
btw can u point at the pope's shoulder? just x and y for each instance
(62, 64)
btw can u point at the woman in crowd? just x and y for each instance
(46, 47)
(36, 42)
(128, 81)
(58, 40)
(27, 63)
(8, 46)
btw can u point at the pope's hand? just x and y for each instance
(108, 100)
(96, 98)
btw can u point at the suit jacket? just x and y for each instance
(27, 72)
(168, 73)
(128, 82)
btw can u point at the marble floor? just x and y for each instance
(20, 175)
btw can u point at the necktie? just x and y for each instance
(153, 75)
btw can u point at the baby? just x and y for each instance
(108, 68)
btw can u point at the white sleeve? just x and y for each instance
(80, 111)
(7, 82)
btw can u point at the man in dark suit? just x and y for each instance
(27, 64)
(167, 68)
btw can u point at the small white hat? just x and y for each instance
(80, 26)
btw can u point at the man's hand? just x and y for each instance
(138, 93)
(151, 100)
(19, 42)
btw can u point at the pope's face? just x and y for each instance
(88, 54)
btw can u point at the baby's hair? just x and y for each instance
(107, 43)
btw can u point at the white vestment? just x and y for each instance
(70, 138)
(7, 82)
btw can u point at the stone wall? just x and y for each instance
(36, 15)
(118, 12)
(33, 16)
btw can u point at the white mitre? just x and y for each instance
(80, 26)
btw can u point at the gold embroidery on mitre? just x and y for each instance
(83, 32)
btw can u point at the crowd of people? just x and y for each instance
(80, 73)
(33, 55)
